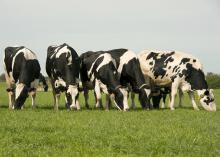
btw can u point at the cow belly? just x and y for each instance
(165, 81)
(162, 82)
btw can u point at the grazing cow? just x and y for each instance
(22, 72)
(180, 71)
(130, 73)
(99, 70)
(62, 67)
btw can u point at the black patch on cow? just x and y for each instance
(206, 92)
(184, 61)
(151, 63)
(173, 77)
(169, 67)
(194, 60)
(175, 68)
(170, 59)
(152, 55)
(208, 100)
(195, 77)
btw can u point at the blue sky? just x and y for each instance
(191, 26)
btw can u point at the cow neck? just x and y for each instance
(134, 74)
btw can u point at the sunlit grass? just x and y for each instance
(45, 132)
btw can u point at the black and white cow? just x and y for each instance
(130, 73)
(99, 69)
(62, 67)
(22, 72)
(179, 71)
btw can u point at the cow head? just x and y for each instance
(207, 99)
(72, 94)
(21, 94)
(144, 99)
(120, 97)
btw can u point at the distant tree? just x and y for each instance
(213, 80)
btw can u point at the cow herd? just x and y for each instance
(150, 74)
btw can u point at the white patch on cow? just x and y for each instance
(106, 60)
(60, 82)
(185, 86)
(19, 88)
(125, 98)
(124, 59)
(147, 91)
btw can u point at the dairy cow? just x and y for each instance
(130, 74)
(98, 70)
(180, 71)
(22, 72)
(62, 67)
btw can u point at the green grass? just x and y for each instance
(44, 132)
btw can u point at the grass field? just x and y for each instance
(44, 132)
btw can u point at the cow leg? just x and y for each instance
(98, 96)
(180, 97)
(192, 98)
(33, 97)
(77, 105)
(86, 97)
(107, 101)
(133, 105)
(11, 96)
(164, 100)
(66, 102)
(174, 89)
(56, 97)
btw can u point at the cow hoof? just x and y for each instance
(126, 109)
(87, 106)
(196, 109)
(172, 109)
(72, 107)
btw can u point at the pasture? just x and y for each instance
(45, 132)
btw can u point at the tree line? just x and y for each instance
(213, 80)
